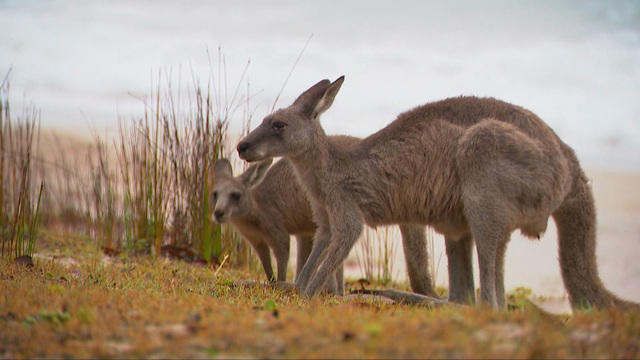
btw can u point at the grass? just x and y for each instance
(20, 191)
(375, 253)
(137, 306)
(150, 190)
(146, 189)
(165, 170)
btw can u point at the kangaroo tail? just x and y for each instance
(576, 223)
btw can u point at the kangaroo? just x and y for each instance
(255, 203)
(473, 168)
(266, 205)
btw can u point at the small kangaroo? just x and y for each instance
(473, 168)
(266, 205)
(254, 205)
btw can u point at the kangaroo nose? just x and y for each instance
(219, 213)
(242, 147)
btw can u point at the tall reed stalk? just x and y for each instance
(20, 194)
(144, 174)
(376, 253)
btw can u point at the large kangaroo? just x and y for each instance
(473, 168)
(266, 206)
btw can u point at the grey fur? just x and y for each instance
(272, 205)
(265, 210)
(471, 167)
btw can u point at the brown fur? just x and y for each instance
(474, 168)
(266, 211)
(272, 205)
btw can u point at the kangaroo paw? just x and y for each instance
(246, 284)
(285, 286)
(281, 285)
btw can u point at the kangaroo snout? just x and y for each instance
(242, 148)
(219, 214)
(249, 151)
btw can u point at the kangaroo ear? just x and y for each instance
(255, 173)
(318, 98)
(327, 98)
(222, 168)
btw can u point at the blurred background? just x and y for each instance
(87, 64)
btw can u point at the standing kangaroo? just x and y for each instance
(473, 168)
(266, 206)
(266, 211)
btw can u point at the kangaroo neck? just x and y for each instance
(246, 222)
(311, 165)
(250, 216)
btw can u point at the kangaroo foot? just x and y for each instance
(280, 285)
(405, 297)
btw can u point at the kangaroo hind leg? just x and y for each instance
(508, 178)
(490, 234)
(304, 244)
(280, 247)
(262, 249)
(459, 258)
(414, 244)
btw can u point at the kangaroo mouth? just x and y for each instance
(250, 155)
(219, 219)
(244, 156)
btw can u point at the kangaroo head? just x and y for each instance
(231, 195)
(288, 131)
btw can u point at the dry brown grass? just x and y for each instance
(141, 307)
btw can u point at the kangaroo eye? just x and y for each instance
(214, 195)
(235, 196)
(278, 125)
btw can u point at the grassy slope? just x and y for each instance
(144, 307)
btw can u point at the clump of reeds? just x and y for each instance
(376, 254)
(165, 162)
(20, 192)
(144, 171)
(151, 189)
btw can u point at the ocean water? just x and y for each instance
(574, 63)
